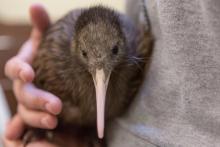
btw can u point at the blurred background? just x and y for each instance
(14, 30)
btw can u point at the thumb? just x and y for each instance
(40, 21)
(39, 17)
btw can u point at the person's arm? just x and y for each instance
(36, 108)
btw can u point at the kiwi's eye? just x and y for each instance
(84, 54)
(115, 50)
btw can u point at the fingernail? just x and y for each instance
(47, 122)
(48, 107)
(54, 108)
(26, 75)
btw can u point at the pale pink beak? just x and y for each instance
(101, 84)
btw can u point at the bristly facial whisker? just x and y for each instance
(133, 60)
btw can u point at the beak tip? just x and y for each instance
(100, 135)
(100, 130)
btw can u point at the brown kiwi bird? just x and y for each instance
(90, 59)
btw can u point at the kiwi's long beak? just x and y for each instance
(101, 79)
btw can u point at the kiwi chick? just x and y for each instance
(90, 60)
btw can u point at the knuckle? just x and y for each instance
(11, 67)
(10, 61)
(8, 66)
(36, 102)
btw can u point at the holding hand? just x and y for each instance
(36, 108)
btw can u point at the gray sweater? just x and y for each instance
(179, 103)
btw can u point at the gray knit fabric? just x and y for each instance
(179, 104)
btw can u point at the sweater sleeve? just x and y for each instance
(179, 102)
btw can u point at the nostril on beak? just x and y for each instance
(99, 65)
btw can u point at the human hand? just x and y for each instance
(15, 129)
(36, 108)
(17, 126)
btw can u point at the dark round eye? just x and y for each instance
(115, 50)
(84, 53)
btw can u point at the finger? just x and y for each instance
(40, 21)
(15, 128)
(41, 144)
(34, 98)
(39, 17)
(15, 68)
(12, 143)
(37, 119)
